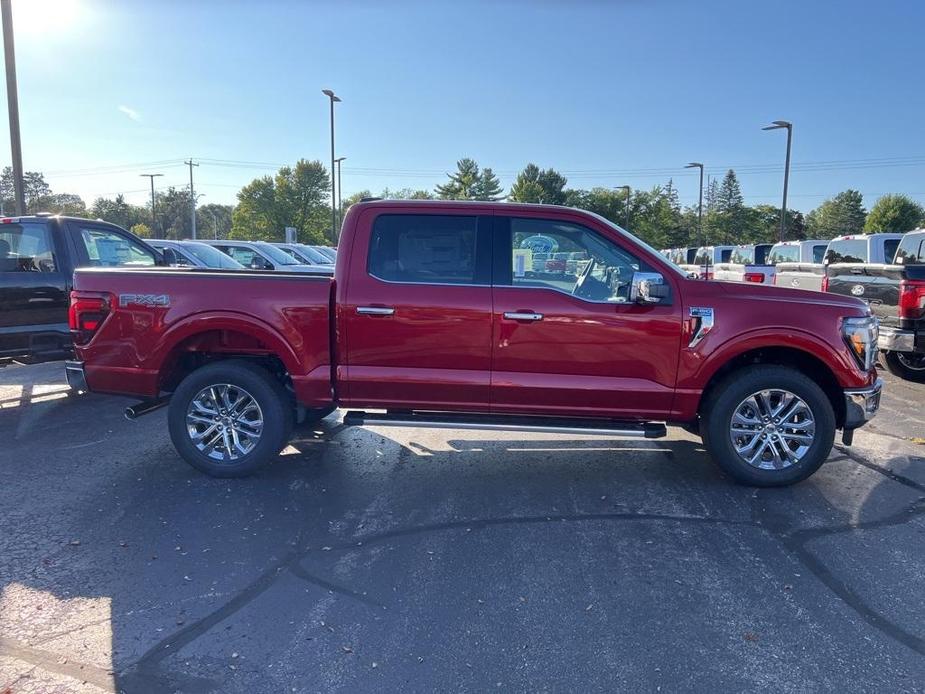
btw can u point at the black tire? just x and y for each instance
(726, 397)
(276, 407)
(907, 365)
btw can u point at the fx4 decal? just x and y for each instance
(144, 300)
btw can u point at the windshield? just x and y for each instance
(781, 253)
(329, 252)
(212, 257)
(639, 242)
(277, 255)
(313, 256)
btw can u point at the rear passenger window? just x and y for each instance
(108, 248)
(428, 249)
(889, 250)
(26, 248)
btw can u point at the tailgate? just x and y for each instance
(875, 285)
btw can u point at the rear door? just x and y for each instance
(415, 311)
(568, 341)
(34, 286)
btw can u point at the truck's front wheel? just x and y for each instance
(229, 418)
(907, 365)
(768, 426)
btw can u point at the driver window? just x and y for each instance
(570, 259)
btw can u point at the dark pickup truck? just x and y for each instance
(38, 256)
(896, 296)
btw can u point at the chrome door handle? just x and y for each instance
(375, 311)
(514, 315)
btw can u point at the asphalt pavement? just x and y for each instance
(431, 560)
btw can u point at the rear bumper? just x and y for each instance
(861, 404)
(896, 340)
(76, 377)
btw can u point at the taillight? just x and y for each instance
(825, 283)
(707, 274)
(754, 277)
(86, 313)
(912, 299)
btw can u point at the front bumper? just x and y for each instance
(896, 340)
(861, 404)
(76, 378)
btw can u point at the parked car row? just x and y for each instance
(885, 270)
(39, 253)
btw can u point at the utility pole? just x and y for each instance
(192, 196)
(334, 98)
(696, 165)
(340, 191)
(12, 100)
(153, 206)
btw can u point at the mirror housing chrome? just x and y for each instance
(648, 288)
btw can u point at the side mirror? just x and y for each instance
(258, 263)
(648, 288)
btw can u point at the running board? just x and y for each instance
(489, 422)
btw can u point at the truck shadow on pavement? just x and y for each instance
(362, 561)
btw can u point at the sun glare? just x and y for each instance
(45, 17)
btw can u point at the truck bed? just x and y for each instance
(272, 313)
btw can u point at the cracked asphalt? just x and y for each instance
(433, 560)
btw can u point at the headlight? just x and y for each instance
(861, 337)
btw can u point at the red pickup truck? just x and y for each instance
(438, 316)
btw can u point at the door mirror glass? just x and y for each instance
(649, 288)
(258, 263)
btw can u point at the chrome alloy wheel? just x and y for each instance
(224, 422)
(772, 429)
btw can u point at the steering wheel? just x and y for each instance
(578, 289)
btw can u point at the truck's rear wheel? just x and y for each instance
(229, 418)
(907, 365)
(768, 426)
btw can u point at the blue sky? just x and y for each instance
(609, 93)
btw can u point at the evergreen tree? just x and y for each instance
(463, 183)
(895, 212)
(838, 216)
(488, 187)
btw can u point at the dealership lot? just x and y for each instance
(387, 559)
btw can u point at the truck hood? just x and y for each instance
(765, 292)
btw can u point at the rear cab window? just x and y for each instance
(27, 247)
(911, 250)
(846, 251)
(889, 249)
(785, 254)
(743, 256)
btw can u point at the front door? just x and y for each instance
(567, 340)
(415, 311)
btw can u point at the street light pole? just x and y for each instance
(776, 125)
(153, 205)
(12, 100)
(340, 191)
(333, 97)
(192, 196)
(698, 165)
(627, 220)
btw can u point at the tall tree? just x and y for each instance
(118, 211)
(469, 182)
(213, 221)
(838, 216)
(894, 212)
(727, 217)
(296, 197)
(533, 185)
